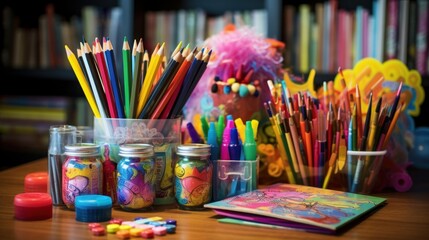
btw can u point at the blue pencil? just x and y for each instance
(349, 157)
(114, 80)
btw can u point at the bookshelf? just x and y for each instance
(44, 76)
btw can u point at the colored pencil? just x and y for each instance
(101, 63)
(94, 79)
(126, 63)
(114, 79)
(82, 81)
(154, 64)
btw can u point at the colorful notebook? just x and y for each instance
(300, 207)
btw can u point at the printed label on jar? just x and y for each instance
(81, 177)
(136, 185)
(193, 184)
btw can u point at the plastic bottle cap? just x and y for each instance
(33, 206)
(93, 208)
(36, 182)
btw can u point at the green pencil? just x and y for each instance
(126, 59)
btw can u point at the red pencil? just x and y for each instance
(99, 55)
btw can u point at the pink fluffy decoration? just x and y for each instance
(230, 50)
(242, 47)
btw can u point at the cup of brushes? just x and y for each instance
(339, 147)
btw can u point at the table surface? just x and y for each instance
(405, 216)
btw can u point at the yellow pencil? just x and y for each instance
(82, 81)
(331, 165)
(154, 64)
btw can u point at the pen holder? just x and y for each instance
(163, 134)
(234, 177)
(360, 171)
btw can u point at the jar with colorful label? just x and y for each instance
(193, 176)
(136, 177)
(82, 172)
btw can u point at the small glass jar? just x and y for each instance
(59, 137)
(82, 172)
(136, 177)
(193, 176)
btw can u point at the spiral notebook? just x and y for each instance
(299, 207)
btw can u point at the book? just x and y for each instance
(422, 35)
(300, 207)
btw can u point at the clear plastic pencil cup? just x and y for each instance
(361, 170)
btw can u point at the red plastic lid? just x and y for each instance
(36, 182)
(33, 199)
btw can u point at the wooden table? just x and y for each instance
(406, 216)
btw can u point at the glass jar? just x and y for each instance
(193, 176)
(82, 172)
(59, 137)
(136, 177)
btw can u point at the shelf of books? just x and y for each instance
(325, 35)
(25, 122)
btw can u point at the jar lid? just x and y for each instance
(136, 150)
(82, 149)
(193, 149)
(32, 199)
(32, 206)
(36, 182)
(62, 128)
(93, 208)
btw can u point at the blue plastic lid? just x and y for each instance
(93, 208)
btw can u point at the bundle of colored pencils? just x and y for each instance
(314, 134)
(152, 87)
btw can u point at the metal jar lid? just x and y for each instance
(194, 149)
(136, 150)
(62, 128)
(82, 149)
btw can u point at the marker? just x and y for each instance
(204, 126)
(226, 139)
(234, 154)
(212, 141)
(220, 128)
(214, 156)
(195, 137)
(250, 151)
